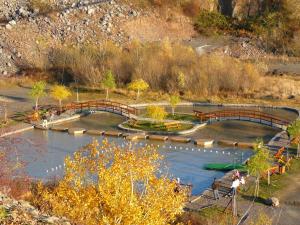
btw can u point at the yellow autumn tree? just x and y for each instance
(138, 86)
(60, 92)
(106, 184)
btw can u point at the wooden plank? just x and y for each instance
(59, 128)
(76, 130)
(40, 127)
(95, 132)
(158, 137)
(113, 133)
(180, 139)
(134, 137)
(204, 142)
(245, 145)
(227, 143)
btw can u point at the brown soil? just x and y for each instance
(155, 27)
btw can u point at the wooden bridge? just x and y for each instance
(245, 115)
(97, 105)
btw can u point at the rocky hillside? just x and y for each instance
(13, 212)
(25, 31)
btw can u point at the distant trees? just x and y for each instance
(109, 82)
(138, 86)
(37, 91)
(211, 22)
(167, 67)
(60, 93)
(105, 184)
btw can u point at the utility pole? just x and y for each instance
(234, 205)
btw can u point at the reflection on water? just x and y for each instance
(183, 160)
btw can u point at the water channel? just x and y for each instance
(184, 160)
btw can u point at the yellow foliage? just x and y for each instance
(138, 85)
(104, 184)
(60, 92)
(156, 112)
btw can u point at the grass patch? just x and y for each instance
(182, 117)
(278, 183)
(148, 126)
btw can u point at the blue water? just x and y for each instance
(185, 161)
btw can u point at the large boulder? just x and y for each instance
(272, 202)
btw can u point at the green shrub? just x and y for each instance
(207, 22)
(3, 213)
(156, 112)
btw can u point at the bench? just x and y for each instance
(170, 125)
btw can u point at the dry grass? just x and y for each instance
(173, 26)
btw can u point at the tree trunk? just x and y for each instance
(269, 178)
(138, 94)
(77, 95)
(173, 111)
(36, 103)
(298, 150)
(5, 113)
(60, 106)
(106, 94)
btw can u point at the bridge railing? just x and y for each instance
(250, 114)
(115, 107)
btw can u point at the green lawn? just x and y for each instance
(148, 126)
(278, 183)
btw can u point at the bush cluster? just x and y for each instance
(277, 25)
(166, 67)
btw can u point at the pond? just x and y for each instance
(185, 161)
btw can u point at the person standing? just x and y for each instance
(235, 185)
(215, 187)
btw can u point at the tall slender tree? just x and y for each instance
(174, 101)
(138, 86)
(109, 82)
(37, 91)
(60, 93)
(259, 163)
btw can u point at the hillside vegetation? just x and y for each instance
(161, 65)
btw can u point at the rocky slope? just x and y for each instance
(13, 212)
(25, 33)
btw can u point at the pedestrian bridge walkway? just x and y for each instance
(98, 105)
(244, 115)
